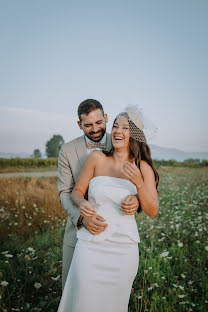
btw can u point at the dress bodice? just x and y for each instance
(106, 194)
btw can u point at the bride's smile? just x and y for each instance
(120, 133)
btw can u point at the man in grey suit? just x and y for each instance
(92, 120)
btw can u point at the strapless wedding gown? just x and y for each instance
(104, 266)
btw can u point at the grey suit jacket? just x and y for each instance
(71, 159)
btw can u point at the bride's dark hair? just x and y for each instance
(139, 151)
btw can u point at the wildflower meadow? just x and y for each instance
(173, 265)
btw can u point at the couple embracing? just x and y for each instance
(103, 180)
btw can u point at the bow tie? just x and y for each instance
(96, 144)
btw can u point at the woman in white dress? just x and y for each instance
(104, 266)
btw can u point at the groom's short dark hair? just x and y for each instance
(88, 106)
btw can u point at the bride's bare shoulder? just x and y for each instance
(97, 156)
(146, 169)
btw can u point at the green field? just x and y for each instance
(39, 164)
(173, 267)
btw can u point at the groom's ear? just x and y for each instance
(106, 117)
(79, 124)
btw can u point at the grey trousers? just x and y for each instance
(68, 252)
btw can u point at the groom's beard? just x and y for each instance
(96, 136)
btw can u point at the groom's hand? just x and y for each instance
(86, 209)
(94, 224)
(130, 205)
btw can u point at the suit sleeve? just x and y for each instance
(65, 186)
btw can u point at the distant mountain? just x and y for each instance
(158, 152)
(165, 153)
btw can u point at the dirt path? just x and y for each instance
(29, 174)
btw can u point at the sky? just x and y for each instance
(55, 54)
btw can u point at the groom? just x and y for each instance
(72, 156)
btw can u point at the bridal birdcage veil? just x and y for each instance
(141, 128)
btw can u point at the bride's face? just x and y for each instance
(120, 134)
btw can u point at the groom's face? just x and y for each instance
(94, 125)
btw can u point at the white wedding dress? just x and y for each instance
(104, 266)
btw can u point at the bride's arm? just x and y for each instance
(82, 184)
(144, 181)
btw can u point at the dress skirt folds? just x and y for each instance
(100, 277)
(104, 266)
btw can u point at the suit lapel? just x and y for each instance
(108, 142)
(81, 150)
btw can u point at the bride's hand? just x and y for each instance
(132, 172)
(86, 209)
(130, 205)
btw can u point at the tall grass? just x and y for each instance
(31, 232)
(173, 268)
(28, 204)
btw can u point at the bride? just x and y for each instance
(104, 266)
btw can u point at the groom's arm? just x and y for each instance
(65, 186)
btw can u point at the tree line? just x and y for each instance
(52, 147)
